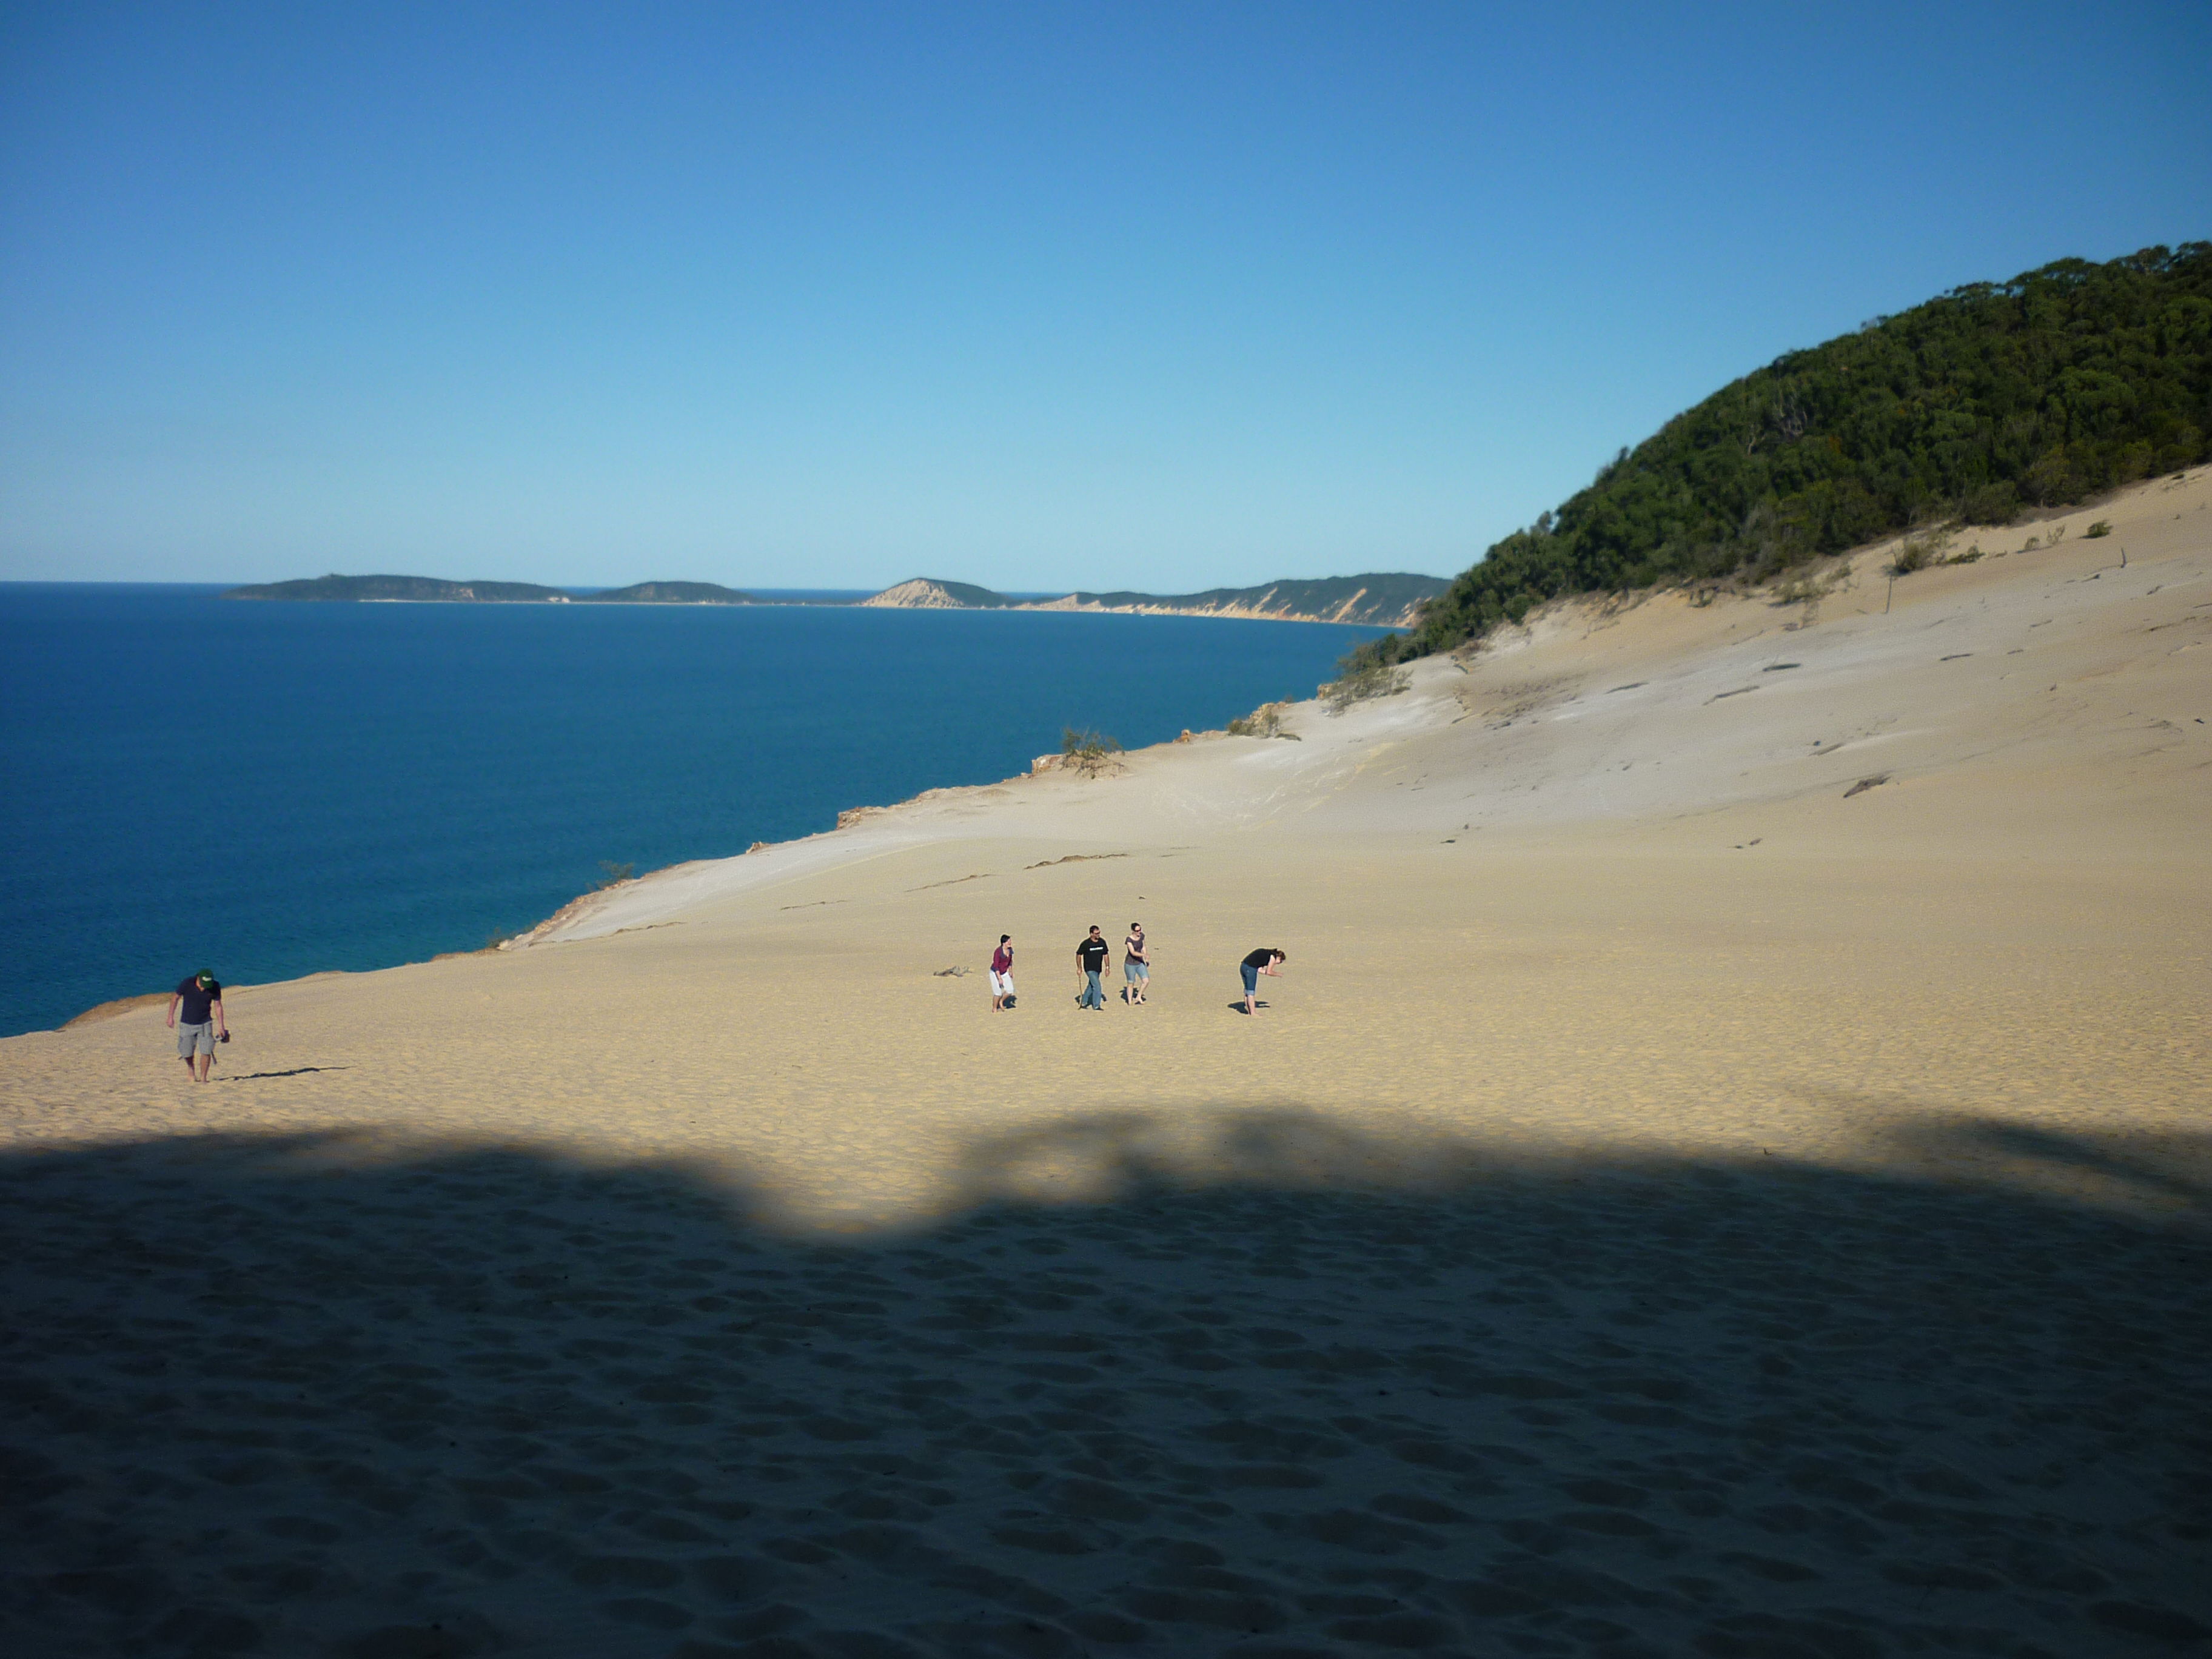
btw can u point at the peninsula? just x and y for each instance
(1375, 600)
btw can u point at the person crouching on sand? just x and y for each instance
(1093, 956)
(1002, 974)
(204, 1024)
(1265, 960)
(1136, 965)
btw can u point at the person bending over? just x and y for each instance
(203, 1025)
(1093, 956)
(1265, 960)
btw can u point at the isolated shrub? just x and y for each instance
(1918, 551)
(2102, 527)
(1088, 752)
(1803, 589)
(1362, 679)
(1265, 721)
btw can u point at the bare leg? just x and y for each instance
(207, 1060)
(189, 1071)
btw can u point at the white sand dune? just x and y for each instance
(1677, 1199)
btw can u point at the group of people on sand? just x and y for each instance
(1093, 955)
(199, 998)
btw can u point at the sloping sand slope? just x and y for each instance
(1672, 1203)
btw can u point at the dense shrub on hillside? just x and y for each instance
(2050, 388)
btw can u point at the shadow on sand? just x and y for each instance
(1278, 1390)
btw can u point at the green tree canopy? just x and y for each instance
(2057, 385)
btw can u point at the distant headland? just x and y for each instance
(1375, 600)
(366, 590)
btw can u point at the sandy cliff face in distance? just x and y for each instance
(916, 595)
(1335, 600)
(1266, 605)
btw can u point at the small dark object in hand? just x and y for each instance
(225, 1037)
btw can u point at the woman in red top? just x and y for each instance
(1002, 974)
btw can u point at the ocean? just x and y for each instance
(273, 789)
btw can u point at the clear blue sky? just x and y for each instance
(1038, 297)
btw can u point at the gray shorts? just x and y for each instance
(195, 1039)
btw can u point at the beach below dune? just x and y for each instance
(1669, 1199)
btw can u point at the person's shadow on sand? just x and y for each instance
(1238, 1006)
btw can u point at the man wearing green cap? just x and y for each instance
(203, 1025)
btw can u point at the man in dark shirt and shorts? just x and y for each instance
(1093, 954)
(1265, 960)
(203, 1025)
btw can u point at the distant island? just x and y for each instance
(668, 594)
(928, 593)
(1377, 599)
(420, 590)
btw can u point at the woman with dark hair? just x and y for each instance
(1265, 960)
(1002, 974)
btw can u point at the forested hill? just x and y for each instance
(435, 589)
(418, 588)
(668, 594)
(1993, 398)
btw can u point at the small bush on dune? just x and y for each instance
(1265, 721)
(1918, 551)
(1088, 752)
(614, 874)
(2101, 528)
(1362, 679)
(1807, 590)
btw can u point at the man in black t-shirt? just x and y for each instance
(200, 999)
(1093, 954)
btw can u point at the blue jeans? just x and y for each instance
(1094, 994)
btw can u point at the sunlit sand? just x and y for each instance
(1725, 1162)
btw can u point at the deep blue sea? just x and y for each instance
(270, 789)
